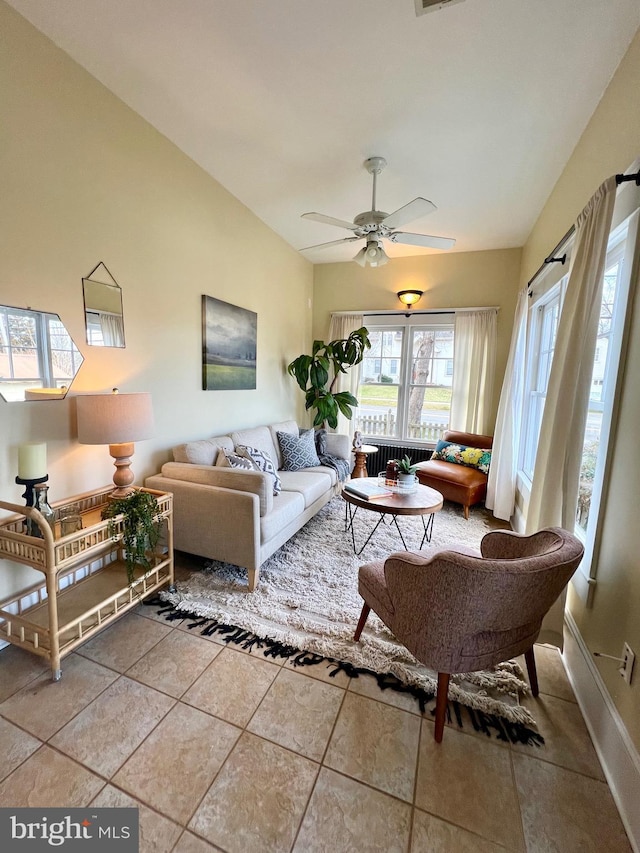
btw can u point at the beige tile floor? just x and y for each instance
(225, 750)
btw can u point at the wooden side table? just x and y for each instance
(361, 453)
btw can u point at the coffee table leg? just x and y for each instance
(428, 529)
(395, 521)
(353, 536)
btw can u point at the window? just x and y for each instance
(604, 373)
(544, 316)
(406, 381)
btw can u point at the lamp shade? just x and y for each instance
(409, 297)
(114, 418)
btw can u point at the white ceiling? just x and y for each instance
(477, 106)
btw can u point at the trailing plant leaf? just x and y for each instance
(141, 527)
(313, 375)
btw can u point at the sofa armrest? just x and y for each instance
(255, 482)
(212, 522)
(339, 445)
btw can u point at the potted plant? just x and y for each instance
(406, 471)
(316, 374)
(141, 528)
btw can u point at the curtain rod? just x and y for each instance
(411, 313)
(551, 257)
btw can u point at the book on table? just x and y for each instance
(367, 490)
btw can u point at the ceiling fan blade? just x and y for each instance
(422, 240)
(331, 243)
(330, 220)
(416, 209)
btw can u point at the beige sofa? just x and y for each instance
(231, 514)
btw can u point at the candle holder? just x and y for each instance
(29, 484)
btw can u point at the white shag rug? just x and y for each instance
(307, 598)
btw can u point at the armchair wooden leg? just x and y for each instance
(441, 704)
(366, 610)
(531, 670)
(466, 512)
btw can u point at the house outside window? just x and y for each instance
(406, 382)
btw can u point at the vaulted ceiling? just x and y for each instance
(476, 107)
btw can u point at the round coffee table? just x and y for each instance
(423, 501)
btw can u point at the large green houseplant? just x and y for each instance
(141, 528)
(317, 374)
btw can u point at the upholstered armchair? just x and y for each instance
(462, 611)
(457, 483)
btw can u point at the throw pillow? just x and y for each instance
(226, 459)
(460, 454)
(261, 461)
(298, 451)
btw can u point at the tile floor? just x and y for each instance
(225, 750)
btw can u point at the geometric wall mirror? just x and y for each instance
(38, 358)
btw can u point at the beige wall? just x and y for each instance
(449, 280)
(609, 145)
(85, 179)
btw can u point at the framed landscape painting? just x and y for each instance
(229, 336)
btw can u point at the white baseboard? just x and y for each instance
(617, 753)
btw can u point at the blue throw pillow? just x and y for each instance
(298, 452)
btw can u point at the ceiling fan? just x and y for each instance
(376, 225)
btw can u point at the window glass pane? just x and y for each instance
(599, 379)
(377, 414)
(543, 333)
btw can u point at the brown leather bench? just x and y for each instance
(457, 483)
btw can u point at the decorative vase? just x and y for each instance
(41, 503)
(391, 474)
(406, 480)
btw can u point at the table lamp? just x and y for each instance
(117, 420)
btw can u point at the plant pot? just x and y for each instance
(405, 481)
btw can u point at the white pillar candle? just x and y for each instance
(32, 461)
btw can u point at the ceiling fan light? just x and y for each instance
(381, 259)
(409, 297)
(361, 257)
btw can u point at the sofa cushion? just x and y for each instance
(446, 472)
(286, 508)
(311, 484)
(298, 452)
(202, 452)
(460, 454)
(262, 462)
(274, 429)
(258, 437)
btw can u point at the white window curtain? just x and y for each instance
(474, 355)
(554, 491)
(341, 327)
(501, 485)
(112, 329)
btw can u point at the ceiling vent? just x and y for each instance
(424, 6)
